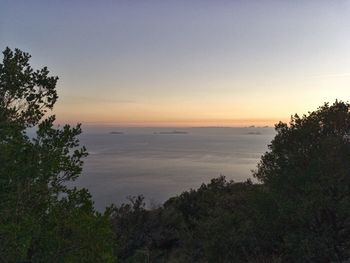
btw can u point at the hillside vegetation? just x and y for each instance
(297, 209)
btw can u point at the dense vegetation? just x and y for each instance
(41, 220)
(298, 211)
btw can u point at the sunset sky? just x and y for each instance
(185, 62)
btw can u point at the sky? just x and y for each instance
(185, 63)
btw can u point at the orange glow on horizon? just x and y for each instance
(259, 122)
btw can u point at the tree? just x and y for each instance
(41, 219)
(210, 224)
(299, 212)
(307, 174)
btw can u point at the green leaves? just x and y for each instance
(25, 94)
(307, 172)
(299, 212)
(41, 218)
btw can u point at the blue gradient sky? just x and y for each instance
(181, 63)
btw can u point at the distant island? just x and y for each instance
(171, 132)
(254, 133)
(213, 127)
(116, 132)
(253, 126)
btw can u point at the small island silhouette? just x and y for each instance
(171, 132)
(254, 133)
(116, 132)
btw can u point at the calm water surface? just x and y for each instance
(159, 164)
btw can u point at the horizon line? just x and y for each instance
(189, 124)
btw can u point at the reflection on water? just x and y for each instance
(159, 163)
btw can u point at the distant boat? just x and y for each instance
(171, 132)
(116, 132)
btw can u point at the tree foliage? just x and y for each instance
(41, 219)
(211, 224)
(307, 173)
(298, 212)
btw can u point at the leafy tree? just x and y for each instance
(299, 212)
(41, 219)
(307, 174)
(210, 224)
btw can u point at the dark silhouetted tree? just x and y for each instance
(299, 212)
(307, 174)
(41, 219)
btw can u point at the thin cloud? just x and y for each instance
(339, 75)
(97, 99)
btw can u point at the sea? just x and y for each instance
(160, 163)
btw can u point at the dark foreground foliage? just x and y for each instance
(299, 212)
(41, 220)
